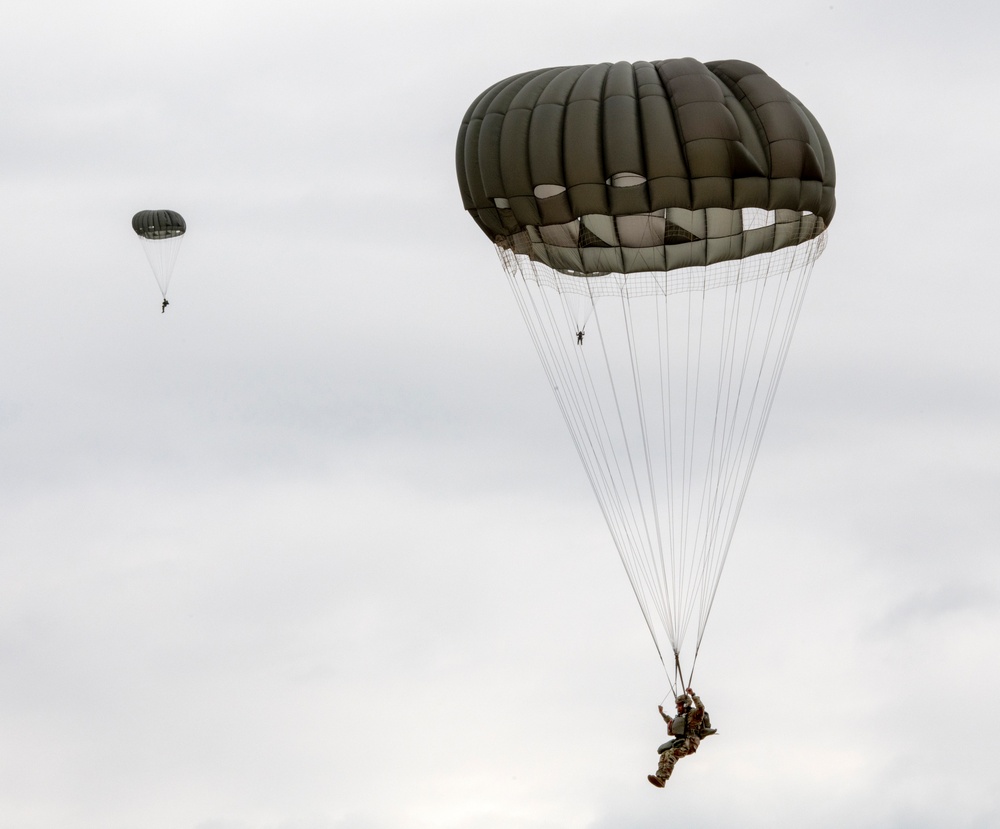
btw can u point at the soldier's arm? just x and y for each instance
(697, 701)
(696, 716)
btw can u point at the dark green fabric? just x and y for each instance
(158, 224)
(544, 148)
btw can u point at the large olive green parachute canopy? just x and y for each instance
(644, 166)
(658, 223)
(160, 232)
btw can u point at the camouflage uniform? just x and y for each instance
(686, 728)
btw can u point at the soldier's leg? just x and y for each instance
(667, 762)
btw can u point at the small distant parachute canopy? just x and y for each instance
(158, 224)
(160, 232)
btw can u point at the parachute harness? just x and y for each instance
(666, 403)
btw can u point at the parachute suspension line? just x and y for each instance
(608, 455)
(694, 661)
(722, 445)
(607, 493)
(691, 437)
(797, 276)
(162, 254)
(680, 463)
(675, 675)
(573, 403)
(731, 452)
(720, 441)
(704, 547)
(759, 320)
(798, 295)
(629, 548)
(673, 548)
(711, 513)
(642, 569)
(655, 542)
(680, 671)
(663, 459)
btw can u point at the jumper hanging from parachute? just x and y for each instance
(161, 233)
(675, 210)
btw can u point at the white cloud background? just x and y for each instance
(311, 550)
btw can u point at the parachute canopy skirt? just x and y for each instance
(160, 232)
(658, 223)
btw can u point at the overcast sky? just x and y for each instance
(311, 550)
